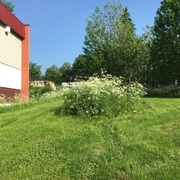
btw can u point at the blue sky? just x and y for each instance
(58, 26)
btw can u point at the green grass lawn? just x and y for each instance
(36, 143)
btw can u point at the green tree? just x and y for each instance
(66, 72)
(166, 44)
(111, 42)
(79, 67)
(53, 74)
(147, 39)
(127, 48)
(35, 72)
(8, 5)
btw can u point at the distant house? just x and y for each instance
(43, 83)
(14, 54)
(66, 85)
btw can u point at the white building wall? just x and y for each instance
(10, 77)
(10, 59)
(10, 48)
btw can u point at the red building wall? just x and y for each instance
(11, 20)
(22, 31)
(25, 61)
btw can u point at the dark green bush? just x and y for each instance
(164, 92)
(36, 92)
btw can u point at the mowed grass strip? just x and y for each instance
(35, 143)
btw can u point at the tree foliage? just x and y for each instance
(35, 72)
(58, 75)
(53, 74)
(79, 67)
(147, 39)
(111, 44)
(8, 5)
(166, 44)
(66, 72)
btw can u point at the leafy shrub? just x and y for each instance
(164, 91)
(106, 96)
(36, 92)
(49, 95)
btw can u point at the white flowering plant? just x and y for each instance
(46, 96)
(105, 96)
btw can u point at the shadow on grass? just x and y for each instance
(58, 111)
(6, 124)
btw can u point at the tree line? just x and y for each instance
(111, 44)
(54, 73)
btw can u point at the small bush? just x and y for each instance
(164, 91)
(106, 96)
(36, 92)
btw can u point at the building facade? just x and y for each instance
(14, 54)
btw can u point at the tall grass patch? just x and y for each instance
(105, 96)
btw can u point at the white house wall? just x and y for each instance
(10, 48)
(10, 77)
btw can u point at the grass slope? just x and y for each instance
(35, 143)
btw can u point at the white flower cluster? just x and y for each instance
(47, 96)
(104, 96)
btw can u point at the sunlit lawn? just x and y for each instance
(37, 143)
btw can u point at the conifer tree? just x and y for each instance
(111, 43)
(166, 44)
